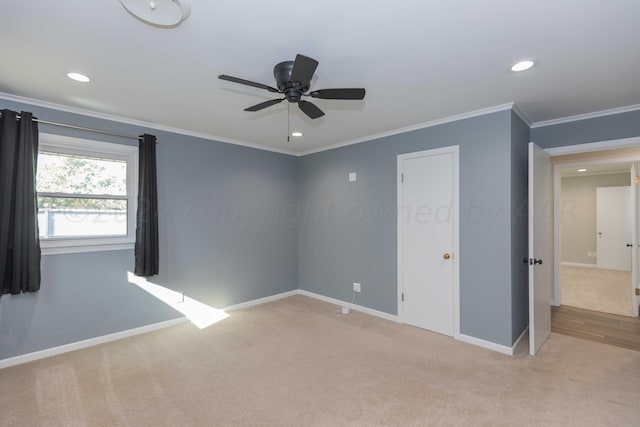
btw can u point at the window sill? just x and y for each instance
(57, 250)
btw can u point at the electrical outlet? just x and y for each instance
(356, 287)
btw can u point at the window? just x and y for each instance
(87, 194)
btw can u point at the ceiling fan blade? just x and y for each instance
(265, 104)
(303, 69)
(310, 109)
(248, 83)
(351, 93)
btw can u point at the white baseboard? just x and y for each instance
(41, 354)
(504, 349)
(355, 307)
(577, 264)
(460, 337)
(261, 300)
(520, 341)
(29, 357)
(54, 351)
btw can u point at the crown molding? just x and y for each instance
(508, 106)
(471, 114)
(125, 120)
(586, 116)
(520, 113)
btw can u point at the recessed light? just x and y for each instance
(163, 13)
(582, 170)
(523, 65)
(296, 134)
(79, 77)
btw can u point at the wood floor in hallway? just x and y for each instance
(612, 329)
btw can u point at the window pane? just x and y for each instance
(64, 217)
(61, 173)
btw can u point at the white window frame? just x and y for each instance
(96, 149)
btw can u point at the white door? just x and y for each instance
(613, 226)
(540, 247)
(635, 229)
(427, 213)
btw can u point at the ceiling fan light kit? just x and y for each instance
(293, 80)
(162, 13)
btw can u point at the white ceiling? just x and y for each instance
(420, 61)
(595, 169)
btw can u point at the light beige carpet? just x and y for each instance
(597, 289)
(299, 362)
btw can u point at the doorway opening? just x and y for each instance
(596, 236)
(596, 216)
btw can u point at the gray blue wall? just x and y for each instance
(228, 234)
(519, 226)
(615, 126)
(349, 232)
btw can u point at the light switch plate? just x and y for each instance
(352, 176)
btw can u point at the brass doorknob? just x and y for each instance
(446, 256)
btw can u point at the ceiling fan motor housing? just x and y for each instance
(293, 79)
(292, 90)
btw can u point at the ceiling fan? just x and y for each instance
(293, 79)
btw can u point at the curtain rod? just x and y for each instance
(85, 128)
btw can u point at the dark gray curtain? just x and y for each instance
(19, 241)
(147, 218)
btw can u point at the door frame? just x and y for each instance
(635, 263)
(454, 150)
(595, 147)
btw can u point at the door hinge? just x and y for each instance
(401, 177)
(638, 291)
(403, 297)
